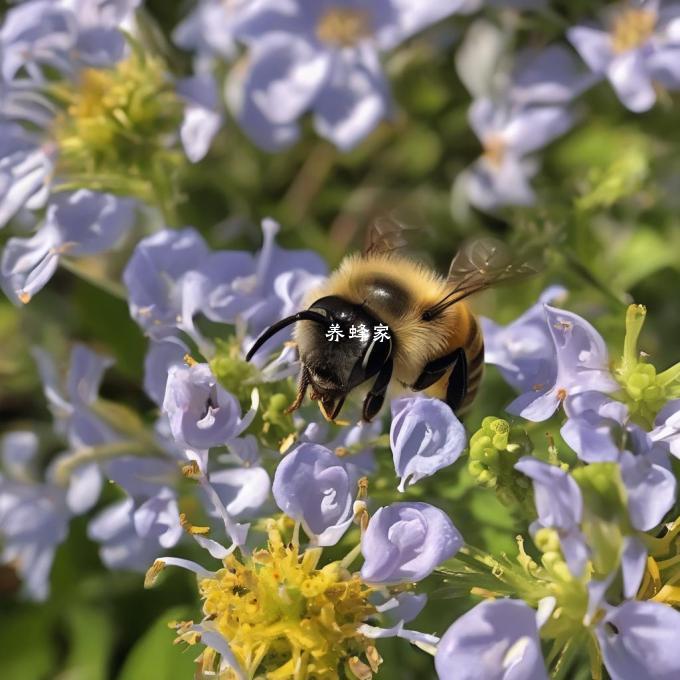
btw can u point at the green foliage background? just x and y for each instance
(607, 221)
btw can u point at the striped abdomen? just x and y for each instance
(467, 335)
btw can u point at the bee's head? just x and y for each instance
(335, 358)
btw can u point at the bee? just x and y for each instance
(429, 339)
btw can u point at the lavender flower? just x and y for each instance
(313, 486)
(560, 506)
(172, 277)
(160, 357)
(243, 490)
(322, 57)
(650, 486)
(77, 224)
(121, 546)
(34, 516)
(509, 133)
(667, 427)
(201, 412)
(209, 30)
(67, 398)
(25, 168)
(637, 640)
(406, 541)
(640, 47)
(523, 350)
(598, 429)
(495, 640)
(36, 34)
(595, 427)
(202, 115)
(582, 365)
(153, 277)
(425, 436)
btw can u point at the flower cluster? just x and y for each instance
(276, 610)
(603, 526)
(322, 548)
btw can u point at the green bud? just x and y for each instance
(547, 540)
(113, 128)
(494, 450)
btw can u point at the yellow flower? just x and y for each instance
(284, 617)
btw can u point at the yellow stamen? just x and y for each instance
(494, 150)
(191, 470)
(343, 27)
(152, 573)
(285, 618)
(191, 528)
(632, 28)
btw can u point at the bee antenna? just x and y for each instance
(306, 315)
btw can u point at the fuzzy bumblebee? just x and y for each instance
(430, 340)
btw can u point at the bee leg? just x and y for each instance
(303, 384)
(458, 382)
(374, 399)
(435, 369)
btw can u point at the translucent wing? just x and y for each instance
(479, 265)
(384, 236)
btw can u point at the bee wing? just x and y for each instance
(384, 236)
(479, 265)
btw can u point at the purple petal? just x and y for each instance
(575, 550)
(202, 117)
(142, 478)
(664, 65)
(90, 222)
(157, 519)
(313, 486)
(404, 607)
(27, 264)
(85, 485)
(242, 490)
(549, 76)
(650, 489)
(159, 358)
(406, 541)
(495, 640)
(534, 127)
(153, 277)
(633, 562)
(582, 358)
(523, 350)
(630, 77)
(594, 46)
(18, 451)
(409, 18)
(558, 498)
(353, 100)
(536, 405)
(86, 370)
(425, 436)
(201, 412)
(595, 426)
(639, 640)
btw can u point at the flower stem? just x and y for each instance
(112, 287)
(96, 454)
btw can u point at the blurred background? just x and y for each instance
(604, 217)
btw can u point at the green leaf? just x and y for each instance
(154, 656)
(91, 640)
(27, 644)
